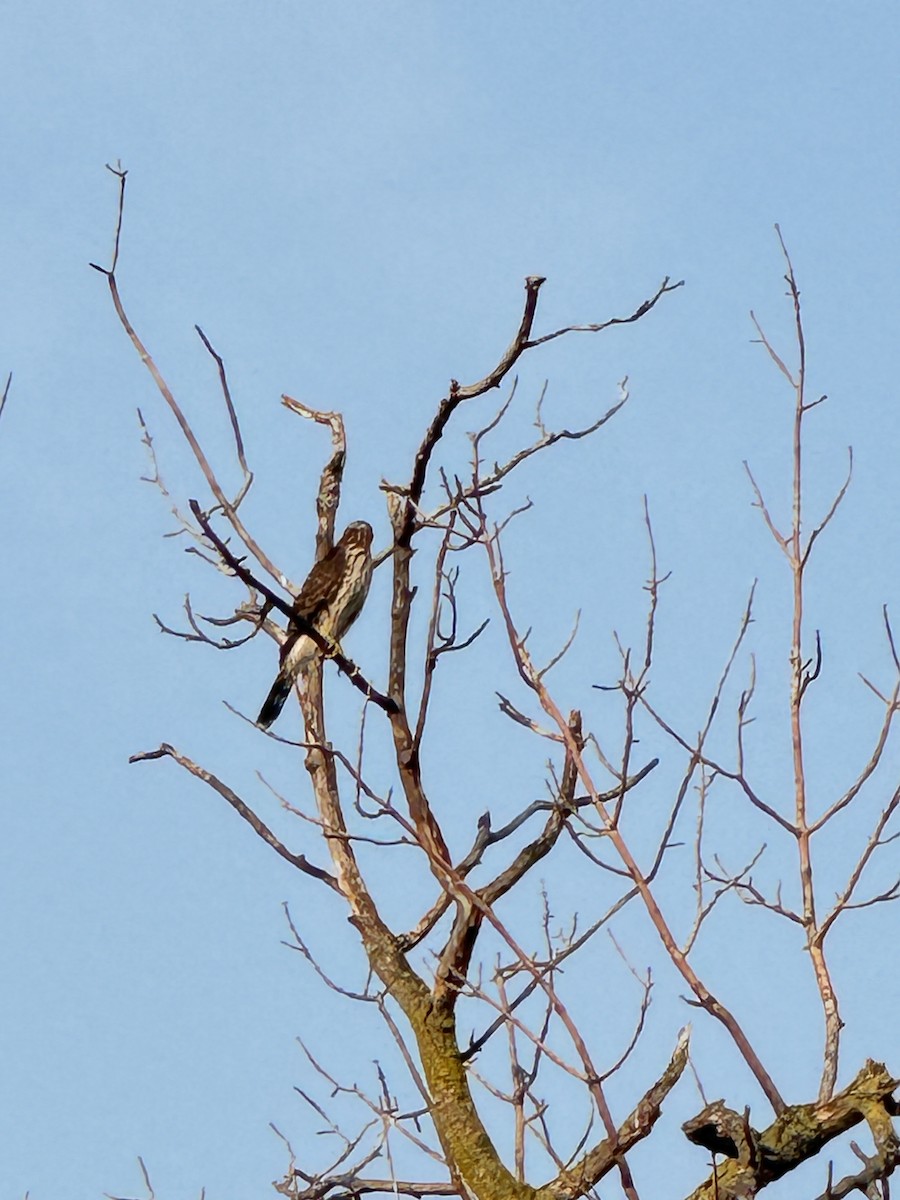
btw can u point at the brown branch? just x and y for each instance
(646, 984)
(349, 1185)
(405, 1052)
(576, 1181)
(404, 503)
(714, 765)
(726, 883)
(775, 357)
(385, 1110)
(508, 709)
(751, 895)
(468, 1149)
(404, 512)
(800, 1132)
(151, 1195)
(508, 1018)
(486, 837)
(156, 480)
(454, 960)
(592, 1076)
(432, 650)
(472, 1149)
(243, 810)
(328, 495)
(232, 416)
(640, 311)
(843, 900)
(705, 998)
(540, 847)
(826, 520)
(301, 947)
(4, 395)
(877, 1167)
(520, 343)
(483, 1038)
(200, 635)
(490, 482)
(460, 393)
(800, 678)
(764, 509)
(892, 705)
(165, 391)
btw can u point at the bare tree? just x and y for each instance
(464, 950)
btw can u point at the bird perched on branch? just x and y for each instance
(330, 600)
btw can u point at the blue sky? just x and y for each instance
(347, 198)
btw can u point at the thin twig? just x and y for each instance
(242, 809)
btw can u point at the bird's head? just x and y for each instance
(358, 533)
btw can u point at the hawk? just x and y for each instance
(330, 600)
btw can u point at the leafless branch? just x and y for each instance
(892, 704)
(151, 1195)
(4, 395)
(328, 495)
(168, 396)
(529, 676)
(200, 635)
(775, 357)
(300, 945)
(640, 311)
(764, 509)
(826, 520)
(243, 810)
(232, 416)
(489, 482)
(875, 840)
(520, 343)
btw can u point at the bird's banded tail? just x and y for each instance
(274, 702)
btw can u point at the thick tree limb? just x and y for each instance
(578, 1180)
(800, 1132)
